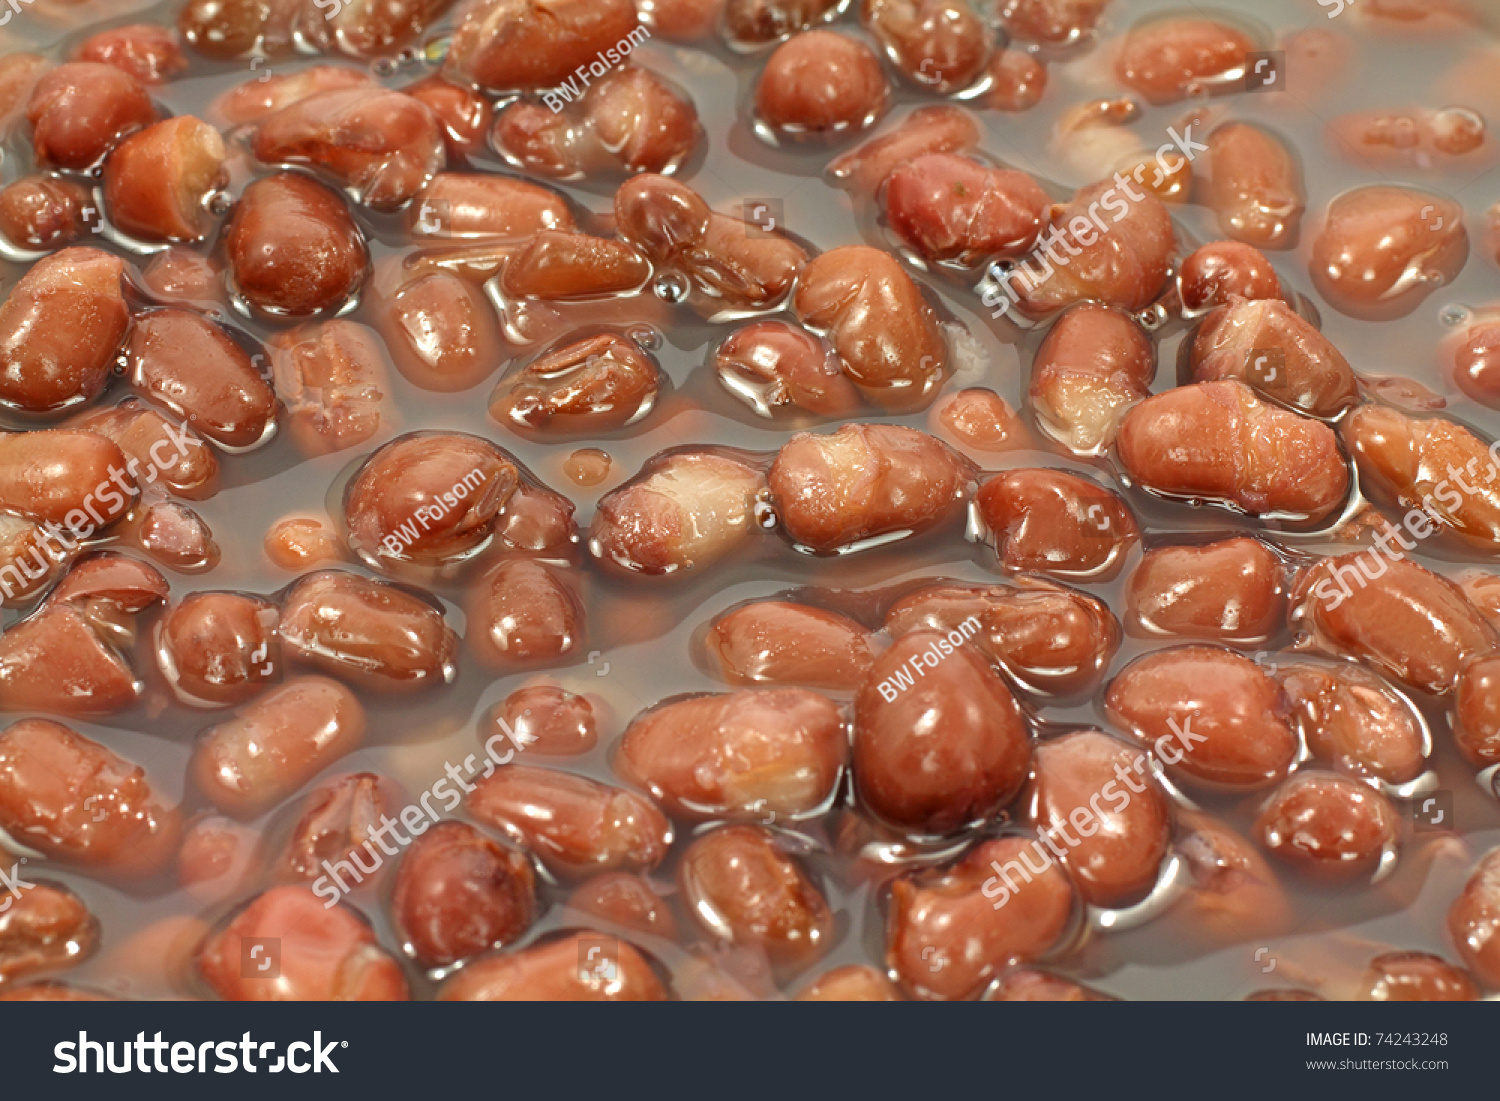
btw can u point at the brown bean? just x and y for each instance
(684, 511)
(60, 328)
(80, 804)
(333, 379)
(1413, 137)
(1094, 362)
(1025, 985)
(1117, 855)
(539, 521)
(1056, 523)
(178, 277)
(144, 435)
(864, 482)
(1216, 273)
(855, 982)
(457, 204)
(144, 50)
(946, 939)
(440, 330)
(574, 826)
(545, 720)
(1471, 356)
(323, 954)
(191, 367)
(68, 477)
(1476, 712)
(157, 182)
(939, 45)
(1217, 440)
(382, 144)
(56, 661)
(1051, 22)
(298, 542)
(232, 28)
(1328, 826)
(754, 22)
(106, 587)
(369, 28)
(1171, 58)
(1232, 892)
(259, 99)
(1230, 591)
(1051, 639)
(340, 816)
(581, 967)
(502, 45)
(941, 747)
(1214, 717)
(629, 901)
(1382, 250)
(1017, 81)
(741, 888)
(1353, 718)
(759, 753)
(45, 212)
(821, 82)
(80, 110)
(1411, 625)
(557, 265)
(774, 364)
(293, 249)
(462, 112)
(43, 927)
(372, 633)
(429, 497)
(524, 612)
(982, 420)
(219, 648)
(1474, 920)
(782, 643)
(951, 209)
(878, 321)
(584, 388)
(1266, 345)
(177, 537)
(1415, 977)
(1254, 186)
(459, 894)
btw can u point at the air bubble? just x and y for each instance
(385, 66)
(645, 336)
(672, 288)
(220, 202)
(1455, 315)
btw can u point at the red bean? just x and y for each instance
(821, 82)
(1476, 712)
(440, 330)
(1474, 920)
(626, 900)
(754, 22)
(45, 212)
(760, 753)
(1254, 186)
(741, 888)
(582, 967)
(1213, 716)
(545, 720)
(1052, 640)
(937, 129)
(502, 45)
(1354, 719)
(370, 28)
(524, 612)
(1172, 58)
(833, 493)
(684, 511)
(68, 477)
(1382, 250)
(323, 954)
(1328, 826)
(947, 938)
(457, 204)
(559, 265)
(459, 894)
(333, 379)
(1051, 22)
(178, 537)
(1472, 357)
(941, 747)
(939, 45)
(1094, 363)
(80, 110)
(574, 826)
(1017, 81)
(144, 50)
(878, 321)
(774, 364)
(539, 521)
(1266, 345)
(949, 208)
(463, 113)
(181, 278)
(276, 744)
(340, 816)
(232, 28)
(1053, 522)
(982, 420)
(157, 182)
(1415, 977)
(374, 634)
(1232, 892)
(189, 469)
(1416, 137)
(80, 804)
(778, 642)
(299, 541)
(583, 388)
(293, 249)
(1216, 273)
(1217, 440)
(856, 982)
(219, 648)
(1230, 591)
(1405, 620)
(259, 99)
(44, 927)
(106, 586)
(1023, 985)
(188, 365)
(60, 328)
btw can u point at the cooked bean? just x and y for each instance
(80, 110)
(440, 330)
(1051, 22)
(80, 804)
(1170, 58)
(1328, 825)
(774, 364)
(821, 82)
(370, 28)
(340, 816)
(949, 208)
(754, 22)
(1353, 718)
(856, 982)
(545, 720)
(1474, 920)
(1413, 137)
(573, 825)
(45, 212)
(44, 927)
(620, 898)
(1213, 716)
(1232, 892)
(1476, 712)
(1254, 186)
(232, 28)
(539, 521)
(1415, 977)
(1057, 523)
(1230, 591)
(219, 648)
(779, 642)
(1265, 344)
(300, 541)
(940, 45)
(177, 537)
(523, 611)
(157, 182)
(65, 476)
(144, 50)
(326, 955)
(333, 379)
(157, 448)
(982, 420)
(457, 204)
(944, 128)
(1017, 81)
(560, 265)
(1217, 440)
(1094, 362)
(1472, 355)
(259, 99)
(583, 388)
(1024, 985)
(178, 277)
(555, 971)
(502, 45)
(458, 894)
(1216, 273)
(463, 113)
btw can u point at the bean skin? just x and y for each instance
(219, 648)
(1217, 440)
(942, 128)
(1354, 719)
(948, 750)
(946, 935)
(1415, 977)
(1328, 826)
(45, 212)
(758, 752)
(1056, 523)
(503, 45)
(257, 100)
(1215, 274)
(47, 928)
(551, 972)
(585, 388)
(459, 894)
(576, 827)
(1172, 58)
(326, 954)
(1094, 362)
(1213, 716)
(863, 482)
(771, 365)
(144, 50)
(821, 82)
(293, 249)
(951, 209)
(439, 329)
(1266, 345)
(60, 328)
(157, 182)
(80, 804)
(939, 45)
(1231, 591)
(1254, 186)
(1408, 622)
(630, 901)
(340, 816)
(1233, 892)
(781, 643)
(333, 379)
(1474, 920)
(276, 744)
(190, 469)
(80, 110)
(741, 888)
(524, 612)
